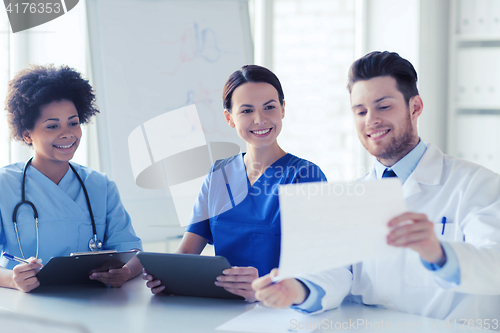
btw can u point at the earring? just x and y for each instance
(26, 138)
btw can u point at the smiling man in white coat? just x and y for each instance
(450, 266)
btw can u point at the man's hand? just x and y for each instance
(416, 232)
(281, 294)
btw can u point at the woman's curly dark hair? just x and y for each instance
(36, 86)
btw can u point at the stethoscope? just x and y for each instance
(94, 243)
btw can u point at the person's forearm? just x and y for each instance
(6, 280)
(135, 267)
(191, 243)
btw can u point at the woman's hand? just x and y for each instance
(238, 280)
(23, 275)
(155, 285)
(115, 277)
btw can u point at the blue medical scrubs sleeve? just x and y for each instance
(309, 172)
(9, 183)
(199, 222)
(120, 234)
(2, 235)
(3, 261)
(201, 229)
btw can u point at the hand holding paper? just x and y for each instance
(279, 294)
(416, 232)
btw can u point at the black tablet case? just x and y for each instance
(187, 274)
(74, 270)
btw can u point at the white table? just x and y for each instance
(133, 308)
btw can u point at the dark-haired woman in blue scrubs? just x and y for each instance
(237, 209)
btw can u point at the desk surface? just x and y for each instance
(133, 308)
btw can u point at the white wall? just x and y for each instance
(418, 31)
(433, 71)
(60, 42)
(393, 25)
(313, 49)
(390, 25)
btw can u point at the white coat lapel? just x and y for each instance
(428, 172)
(411, 186)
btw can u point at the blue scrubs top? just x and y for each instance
(63, 215)
(243, 221)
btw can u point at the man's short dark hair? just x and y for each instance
(377, 63)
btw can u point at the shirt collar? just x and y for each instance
(405, 166)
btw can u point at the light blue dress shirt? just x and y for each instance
(405, 166)
(450, 271)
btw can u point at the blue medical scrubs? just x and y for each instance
(63, 215)
(242, 221)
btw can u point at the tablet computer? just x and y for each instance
(187, 274)
(75, 270)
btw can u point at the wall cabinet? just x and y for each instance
(474, 86)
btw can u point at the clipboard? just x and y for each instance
(187, 274)
(74, 270)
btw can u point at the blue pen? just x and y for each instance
(14, 258)
(443, 221)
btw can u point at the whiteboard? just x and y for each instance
(151, 57)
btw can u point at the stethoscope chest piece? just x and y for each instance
(95, 244)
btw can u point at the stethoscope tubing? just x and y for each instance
(94, 242)
(23, 196)
(94, 230)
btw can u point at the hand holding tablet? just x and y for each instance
(187, 274)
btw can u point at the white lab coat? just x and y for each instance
(468, 195)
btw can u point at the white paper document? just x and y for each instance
(266, 320)
(330, 225)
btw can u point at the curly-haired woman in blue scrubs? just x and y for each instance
(237, 209)
(49, 206)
